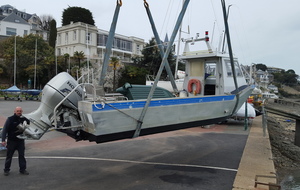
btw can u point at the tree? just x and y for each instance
(261, 66)
(152, 59)
(25, 58)
(79, 56)
(77, 14)
(67, 61)
(148, 64)
(133, 75)
(44, 22)
(52, 33)
(291, 71)
(288, 77)
(114, 63)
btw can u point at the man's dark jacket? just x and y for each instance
(10, 129)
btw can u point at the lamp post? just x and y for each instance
(34, 82)
(88, 52)
(15, 60)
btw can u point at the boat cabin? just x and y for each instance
(209, 72)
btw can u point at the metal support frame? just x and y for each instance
(162, 65)
(225, 16)
(109, 43)
(73, 90)
(161, 49)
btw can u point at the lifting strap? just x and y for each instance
(225, 16)
(109, 43)
(160, 46)
(162, 65)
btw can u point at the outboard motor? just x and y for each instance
(53, 93)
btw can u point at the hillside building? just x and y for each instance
(15, 22)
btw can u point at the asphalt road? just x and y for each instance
(196, 158)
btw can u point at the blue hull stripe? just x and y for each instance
(161, 102)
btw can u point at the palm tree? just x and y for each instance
(114, 62)
(67, 60)
(79, 56)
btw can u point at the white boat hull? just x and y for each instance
(118, 120)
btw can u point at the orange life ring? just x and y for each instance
(194, 82)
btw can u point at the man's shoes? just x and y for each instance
(25, 172)
(6, 173)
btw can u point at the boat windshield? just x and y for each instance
(238, 70)
(210, 69)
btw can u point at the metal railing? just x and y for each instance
(83, 97)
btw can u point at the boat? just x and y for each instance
(241, 113)
(84, 114)
(32, 94)
(208, 98)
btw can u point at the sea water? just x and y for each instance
(291, 181)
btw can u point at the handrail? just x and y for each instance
(55, 109)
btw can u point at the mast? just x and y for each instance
(178, 48)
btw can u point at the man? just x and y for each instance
(11, 131)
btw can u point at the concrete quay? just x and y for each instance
(256, 162)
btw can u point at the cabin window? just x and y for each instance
(210, 69)
(237, 69)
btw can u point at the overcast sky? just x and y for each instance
(262, 31)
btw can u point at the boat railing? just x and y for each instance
(150, 77)
(94, 98)
(86, 96)
(201, 52)
(115, 97)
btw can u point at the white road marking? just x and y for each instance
(127, 161)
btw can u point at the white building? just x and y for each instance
(12, 25)
(92, 41)
(14, 22)
(77, 37)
